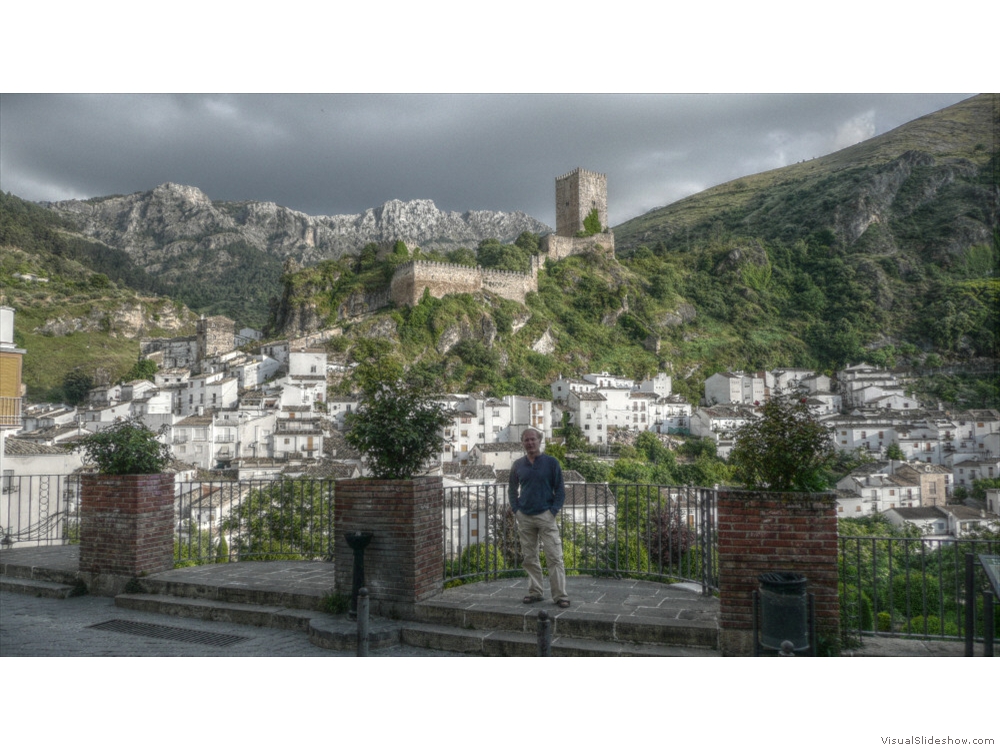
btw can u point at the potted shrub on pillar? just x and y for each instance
(780, 520)
(397, 430)
(126, 508)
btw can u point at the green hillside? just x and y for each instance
(74, 319)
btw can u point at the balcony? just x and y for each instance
(10, 411)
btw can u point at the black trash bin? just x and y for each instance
(784, 611)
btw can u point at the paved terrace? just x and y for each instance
(598, 600)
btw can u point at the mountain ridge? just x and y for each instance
(139, 223)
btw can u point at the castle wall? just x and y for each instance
(577, 193)
(511, 285)
(557, 248)
(410, 280)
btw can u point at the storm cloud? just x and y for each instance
(344, 153)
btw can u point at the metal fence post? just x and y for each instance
(363, 622)
(987, 623)
(544, 634)
(970, 603)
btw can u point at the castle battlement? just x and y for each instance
(583, 172)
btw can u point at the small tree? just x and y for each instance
(126, 447)
(894, 452)
(397, 427)
(143, 369)
(76, 385)
(785, 449)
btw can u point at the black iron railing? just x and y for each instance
(625, 531)
(38, 510)
(915, 587)
(281, 519)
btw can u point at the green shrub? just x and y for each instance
(571, 557)
(126, 447)
(481, 558)
(884, 622)
(336, 604)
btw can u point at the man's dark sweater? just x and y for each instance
(536, 487)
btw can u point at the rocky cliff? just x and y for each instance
(175, 219)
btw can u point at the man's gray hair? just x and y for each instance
(534, 430)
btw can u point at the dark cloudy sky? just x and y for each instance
(341, 154)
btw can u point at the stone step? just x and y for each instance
(699, 634)
(259, 615)
(231, 594)
(325, 631)
(37, 587)
(35, 573)
(507, 643)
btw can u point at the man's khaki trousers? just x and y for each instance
(542, 528)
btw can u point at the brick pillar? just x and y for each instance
(403, 562)
(126, 529)
(761, 532)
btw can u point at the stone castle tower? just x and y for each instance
(216, 335)
(577, 194)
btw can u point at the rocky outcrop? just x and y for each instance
(178, 219)
(127, 320)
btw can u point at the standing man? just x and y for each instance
(536, 493)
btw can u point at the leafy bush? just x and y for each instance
(397, 427)
(884, 622)
(785, 449)
(571, 557)
(284, 520)
(670, 538)
(481, 558)
(932, 626)
(126, 447)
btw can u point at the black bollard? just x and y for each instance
(357, 541)
(544, 634)
(363, 622)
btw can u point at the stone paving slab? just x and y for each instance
(36, 627)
